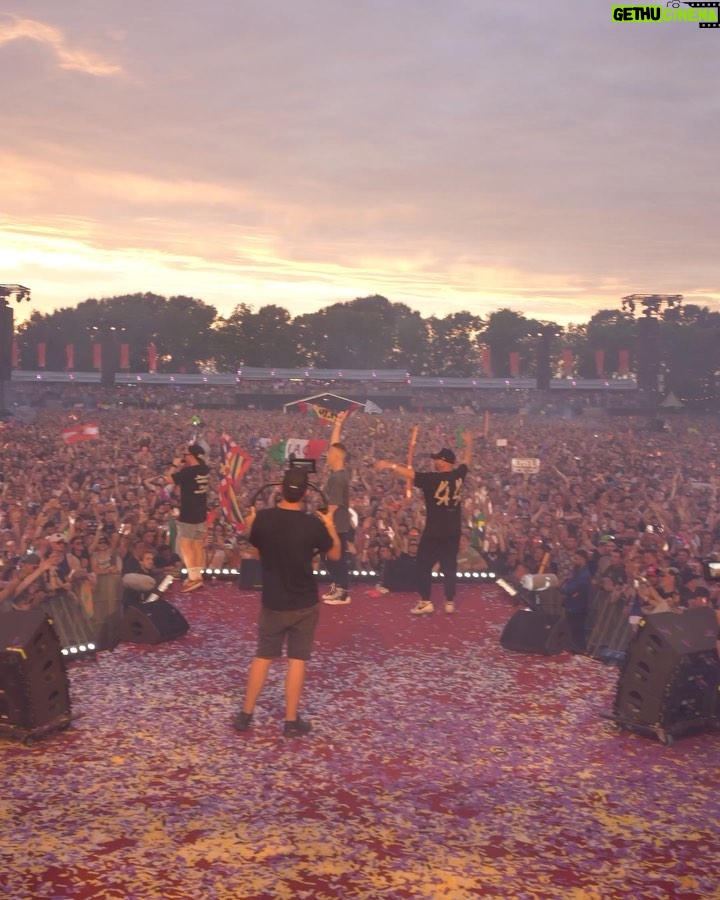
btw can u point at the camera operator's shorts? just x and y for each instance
(298, 625)
(191, 531)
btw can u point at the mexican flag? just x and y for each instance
(75, 433)
(297, 448)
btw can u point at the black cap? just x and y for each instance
(196, 450)
(701, 591)
(294, 484)
(446, 455)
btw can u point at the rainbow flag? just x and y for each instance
(234, 463)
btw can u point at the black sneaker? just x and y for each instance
(297, 728)
(242, 721)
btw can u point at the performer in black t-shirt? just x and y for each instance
(287, 538)
(440, 539)
(191, 475)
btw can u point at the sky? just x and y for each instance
(447, 154)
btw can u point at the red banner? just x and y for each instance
(600, 363)
(124, 356)
(97, 355)
(70, 354)
(487, 362)
(623, 362)
(73, 434)
(567, 362)
(15, 355)
(152, 358)
(42, 349)
(514, 364)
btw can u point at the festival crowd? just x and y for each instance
(634, 506)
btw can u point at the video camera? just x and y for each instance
(307, 464)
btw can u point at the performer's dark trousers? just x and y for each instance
(337, 568)
(431, 550)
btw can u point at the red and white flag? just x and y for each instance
(75, 433)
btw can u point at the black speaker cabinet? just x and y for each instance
(153, 623)
(250, 575)
(528, 631)
(399, 575)
(34, 690)
(550, 601)
(109, 628)
(71, 625)
(671, 673)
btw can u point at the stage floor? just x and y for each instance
(440, 766)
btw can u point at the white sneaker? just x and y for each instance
(382, 590)
(423, 608)
(339, 598)
(332, 592)
(449, 606)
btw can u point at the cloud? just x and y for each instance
(457, 156)
(68, 57)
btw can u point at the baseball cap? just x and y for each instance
(31, 558)
(196, 450)
(57, 537)
(701, 591)
(294, 484)
(446, 455)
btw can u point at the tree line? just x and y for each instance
(375, 333)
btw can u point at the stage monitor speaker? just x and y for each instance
(72, 626)
(108, 629)
(250, 578)
(108, 612)
(34, 690)
(153, 623)
(399, 575)
(528, 631)
(671, 673)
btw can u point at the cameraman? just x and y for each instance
(287, 539)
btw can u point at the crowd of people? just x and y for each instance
(633, 509)
(245, 393)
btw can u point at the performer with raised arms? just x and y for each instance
(338, 495)
(440, 539)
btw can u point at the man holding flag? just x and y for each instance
(338, 495)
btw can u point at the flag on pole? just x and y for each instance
(73, 434)
(298, 448)
(234, 463)
(324, 406)
(327, 414)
